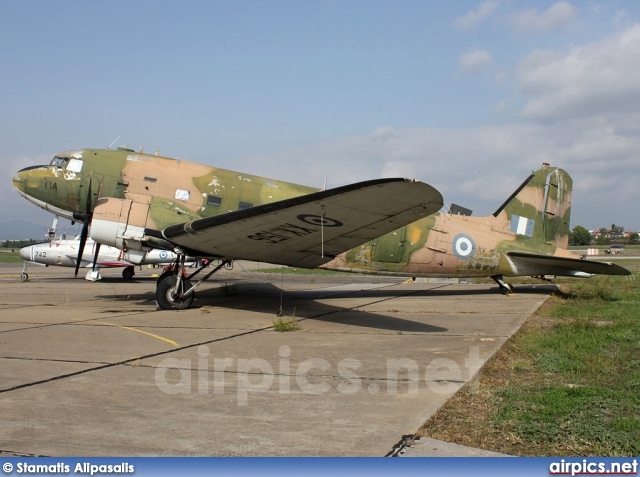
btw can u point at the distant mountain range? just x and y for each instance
(22, 230)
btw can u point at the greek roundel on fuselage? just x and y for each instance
(463, 246)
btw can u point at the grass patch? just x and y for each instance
(286, 324)
(8, 257)
(568, 383)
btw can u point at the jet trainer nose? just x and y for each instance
(25, 253)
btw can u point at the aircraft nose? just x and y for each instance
(25, 253)
(20, 178)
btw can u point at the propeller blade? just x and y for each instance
(86, 220)
(83, 241)
(95, 257)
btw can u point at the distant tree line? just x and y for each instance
(18, 243)
(581, 236)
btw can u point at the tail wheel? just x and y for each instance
(507, 289)
(170, 298)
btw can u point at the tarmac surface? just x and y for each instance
(94, 369)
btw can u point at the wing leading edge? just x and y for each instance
(310, 230)
(534, 264)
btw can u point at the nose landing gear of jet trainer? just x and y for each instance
(24, 276)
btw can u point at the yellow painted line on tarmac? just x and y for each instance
(158, 337)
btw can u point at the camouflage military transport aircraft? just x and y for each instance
(138, 202)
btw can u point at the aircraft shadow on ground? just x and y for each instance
(265, 297)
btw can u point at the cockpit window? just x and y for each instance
(75, 165)
(65, 163)
(59, 161)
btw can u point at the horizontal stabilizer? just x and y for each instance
(562, 266)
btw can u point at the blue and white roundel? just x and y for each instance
(163, 254)
(463, 246)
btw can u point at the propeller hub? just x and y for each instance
(82, 217)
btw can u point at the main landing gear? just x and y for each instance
(505, 287)
(128, 273)
(174, 290)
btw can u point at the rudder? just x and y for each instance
(540, 208)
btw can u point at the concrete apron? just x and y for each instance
(92, 368)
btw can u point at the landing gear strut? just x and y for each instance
(505, 287)
(174, 290)
(24, 276)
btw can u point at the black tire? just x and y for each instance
(169, 273)
(167, 297)
(128, 273)
(24, 276)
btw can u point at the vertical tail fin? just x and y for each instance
(540, 208)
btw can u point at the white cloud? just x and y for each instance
(501, 78)
(399, 169)
(480, 167)
(593, 80)
(581, 113)
(556, 16)
(476, 167)
(475, 62)
(475, 16)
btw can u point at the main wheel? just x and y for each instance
(168, 273)
(169, 298)
(128, 273)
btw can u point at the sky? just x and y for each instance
(467, 96)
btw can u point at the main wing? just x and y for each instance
(535, 264)
(310, 230)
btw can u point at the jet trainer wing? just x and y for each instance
(310, 230)
(550, 265)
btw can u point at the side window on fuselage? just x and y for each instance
(75, 165)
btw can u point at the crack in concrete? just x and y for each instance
(162, 353)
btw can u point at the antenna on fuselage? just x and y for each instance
(113, 142)
(326, 176)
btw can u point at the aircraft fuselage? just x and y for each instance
(176, 191)
(142, 194)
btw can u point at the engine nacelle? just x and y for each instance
(137, 257)
(120, 223)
